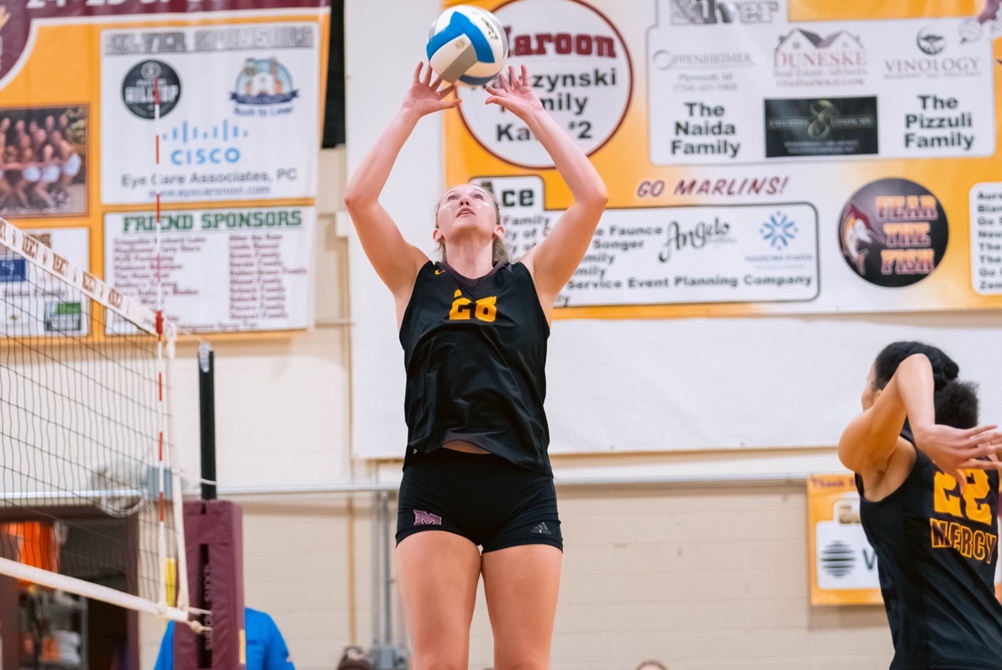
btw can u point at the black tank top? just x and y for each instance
(475, 354)
(936, 554)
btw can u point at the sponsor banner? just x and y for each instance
(236, 121)
(820, 82)
(986, 238)
(843, 565)
(677, 255)
(868, 143)
(240, 91)
(820, 127)
(222, 269)
(31, 302)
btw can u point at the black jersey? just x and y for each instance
(475, 354)
(936, 554)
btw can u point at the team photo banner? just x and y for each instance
(232, 158)
(761, 156)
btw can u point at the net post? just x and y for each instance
(207, 413)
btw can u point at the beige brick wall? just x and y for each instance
(701, 578)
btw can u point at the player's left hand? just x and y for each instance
(513, 93)
(954, 450)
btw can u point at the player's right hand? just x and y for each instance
(423, 97)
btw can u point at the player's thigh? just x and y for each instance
(438, 573)
(521, 584)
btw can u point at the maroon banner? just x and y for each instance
(16, 15)
(213, 532)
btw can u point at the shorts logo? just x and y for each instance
(542, 529)
(426, 519)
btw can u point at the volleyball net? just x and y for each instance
(90, 500)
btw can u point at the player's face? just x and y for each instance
(869, 393)
(466, 210)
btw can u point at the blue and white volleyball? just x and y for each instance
(467, 45)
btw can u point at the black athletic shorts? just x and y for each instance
(490, 501)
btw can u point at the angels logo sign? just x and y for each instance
(893, 232)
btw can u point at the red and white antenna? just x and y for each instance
(161, 364)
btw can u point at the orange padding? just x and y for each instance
(36, 542)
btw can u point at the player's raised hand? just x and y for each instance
(954, 450)
(514, 93)
(424, 96)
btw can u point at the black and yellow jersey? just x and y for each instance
(475, 355)
(936, 554)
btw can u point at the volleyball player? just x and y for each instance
(934, 529)
(474, 328)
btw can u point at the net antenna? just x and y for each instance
(90, 494)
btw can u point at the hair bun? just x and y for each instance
(944, 368)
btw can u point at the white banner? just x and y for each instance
(818, 85)
(239, 112)
(222, 269)
(31, 301)
(678, 255)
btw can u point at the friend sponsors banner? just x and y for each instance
(222, 270)
(241, 100)
(843, 565)
(757, 162)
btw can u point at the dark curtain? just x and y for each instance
(334, 110)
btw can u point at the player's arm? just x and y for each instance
(869, 441)
(396, 261)
(554, 260)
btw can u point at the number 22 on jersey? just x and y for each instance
(947, 498)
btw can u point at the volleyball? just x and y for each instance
(467, 45)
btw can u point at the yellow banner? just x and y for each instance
(762, 157)
(843, 565)
(84, 161)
